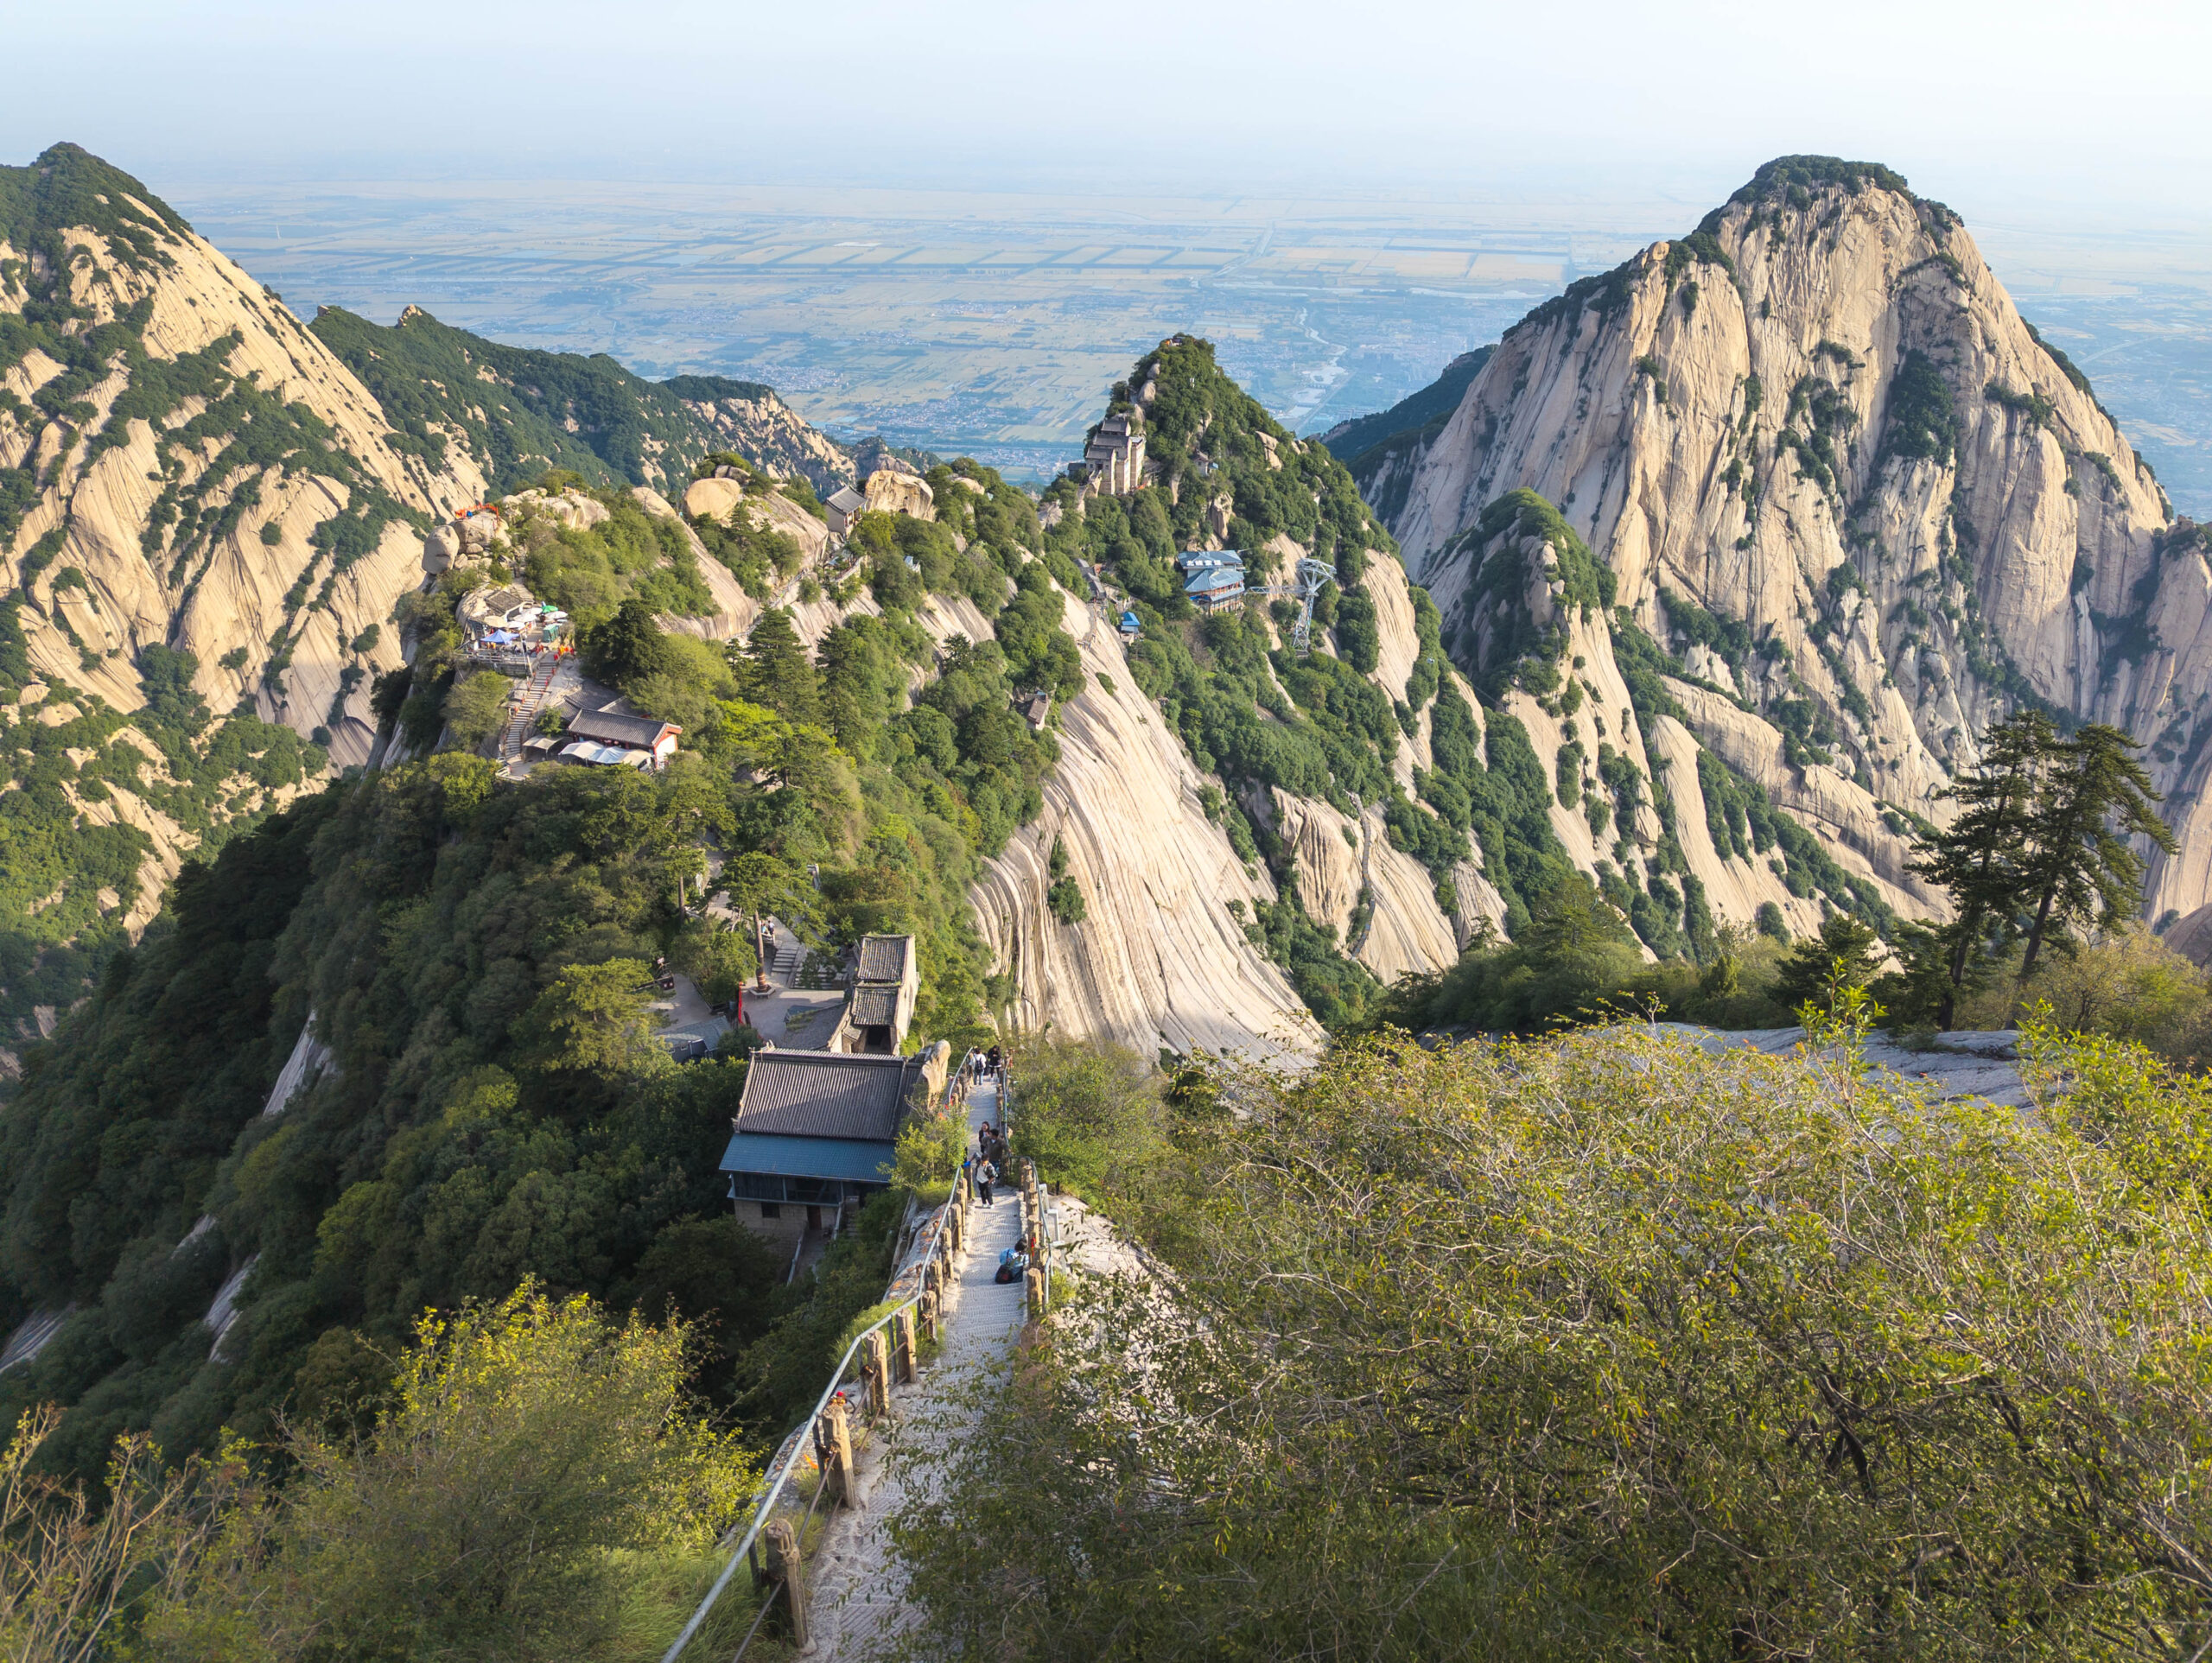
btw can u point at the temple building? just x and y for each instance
(1114, 459)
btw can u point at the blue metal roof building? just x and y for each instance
(830, 1161)
(816, 1129)
(1201, 560)
(1216, 589)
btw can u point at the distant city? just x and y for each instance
(990, 324)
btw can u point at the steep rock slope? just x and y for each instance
(1679, 836)
(183, 466)
(513, 412)
(1824, 460)
(1159, 958)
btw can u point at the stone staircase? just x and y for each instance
(525, 710)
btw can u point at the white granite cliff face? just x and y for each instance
(775, 436)
(1741, 420)
(1159, 959)
(246, 590)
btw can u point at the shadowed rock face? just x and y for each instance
(1886, 512)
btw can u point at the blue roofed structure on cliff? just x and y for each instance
(816, 1130)
(1215, 588)
(1206, 560)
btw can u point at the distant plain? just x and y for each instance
(990, 323)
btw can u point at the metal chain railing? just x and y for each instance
(827, 1433)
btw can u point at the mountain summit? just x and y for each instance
(1822, 458)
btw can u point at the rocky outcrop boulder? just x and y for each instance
(577, 509)
(718, 499)
(144, 522)
(713, 499)
(889, 490)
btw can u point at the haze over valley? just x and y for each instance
(983, 322)
(1222, 834)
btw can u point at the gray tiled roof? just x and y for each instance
(825, 1094)
(875, 1005)
(883, 958)
(845, 499)
(615, 728)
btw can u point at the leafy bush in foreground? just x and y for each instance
(1606, 1347)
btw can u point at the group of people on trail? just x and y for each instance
(990, 1149)
(980, 1066)
(984, 1167)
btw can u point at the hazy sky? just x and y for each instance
(2028, 107)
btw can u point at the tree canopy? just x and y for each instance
(1608, 1346)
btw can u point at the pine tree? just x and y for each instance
(1980, 857)
(775, 671)
(2081, 867)
(2043, 842)
(626, 648)
(1841, 955)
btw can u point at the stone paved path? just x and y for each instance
(857, 1601)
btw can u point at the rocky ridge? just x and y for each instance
(1843, 486)
(511, 413)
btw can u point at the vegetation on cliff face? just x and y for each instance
(68, 875)
(1244, 704)
(473, 952)
(519, 411)
(1673, 1355)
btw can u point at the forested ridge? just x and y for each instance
(519, 411)
(473, 951)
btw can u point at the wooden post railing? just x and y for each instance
(829, 1428)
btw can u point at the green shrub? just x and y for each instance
(477, 709)
(1406, 1264)
(1089, 1114)
(1922, 419)
(1065, 899)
